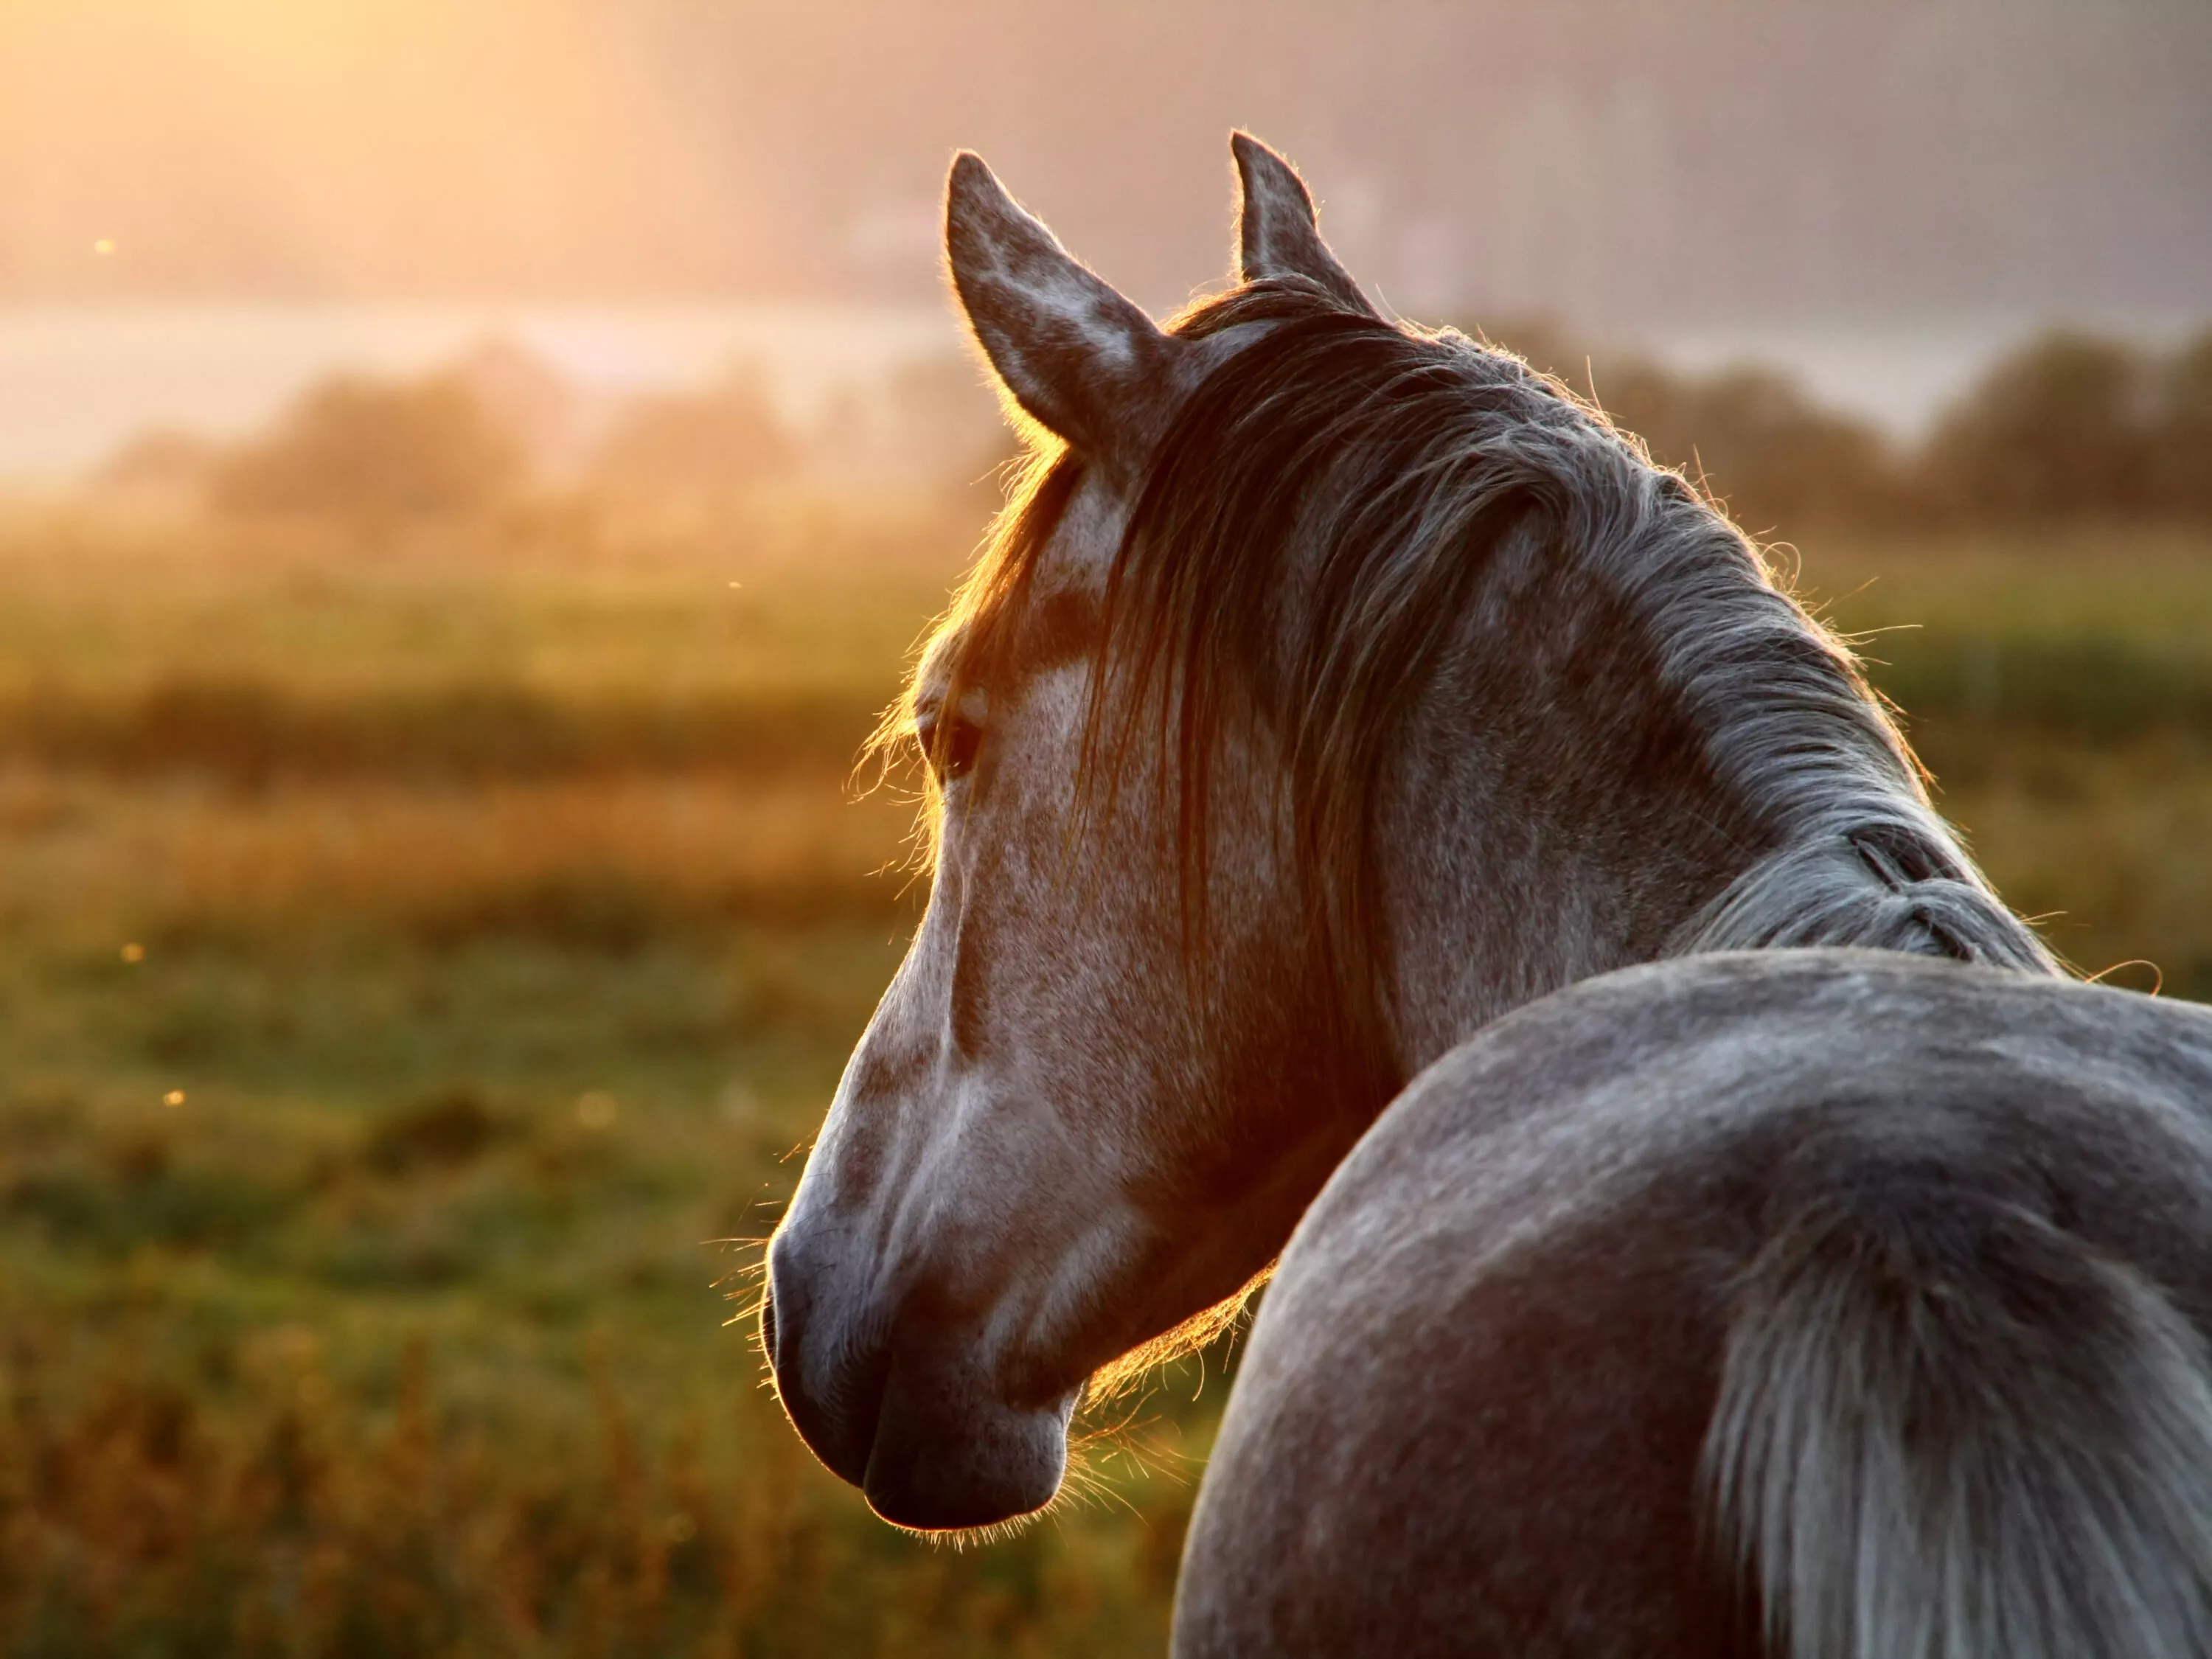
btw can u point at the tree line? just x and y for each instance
(2070, 425)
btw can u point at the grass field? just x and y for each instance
(2059, 687)
(418, 956)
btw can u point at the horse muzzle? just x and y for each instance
(896, 1400)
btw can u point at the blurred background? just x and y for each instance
(471, 476)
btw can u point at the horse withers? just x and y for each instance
(1330, 691)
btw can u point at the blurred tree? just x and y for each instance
(941, 413)
(931, 421)
(162, 467)
(527, 398)
(2061, 427)
(694, 449)
(2181, 448)
(372, 453)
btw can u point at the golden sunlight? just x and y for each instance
(339, 146)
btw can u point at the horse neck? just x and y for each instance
(1580, 832)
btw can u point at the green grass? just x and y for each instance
(455, 1206)
(2059, 687)
(499, 910)
(787, 598)
(502, 917)
(2092, 633)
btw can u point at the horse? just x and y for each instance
(1379, 820)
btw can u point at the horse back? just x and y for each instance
(1475, 1412)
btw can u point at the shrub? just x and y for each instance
(164, 466)
(373, 453)
(2060, 428)
(694, 449)
(2181, 449)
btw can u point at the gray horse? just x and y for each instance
(1330, 691)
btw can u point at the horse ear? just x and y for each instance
(1278, 234)
(1083, 361)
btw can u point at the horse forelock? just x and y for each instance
(1305, 545)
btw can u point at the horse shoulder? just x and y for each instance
(1493, 1345)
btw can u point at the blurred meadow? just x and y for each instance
(438, 906)
(471, 477)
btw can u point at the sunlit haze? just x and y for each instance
(1877, 195)
(1687, 161)
(638, 939)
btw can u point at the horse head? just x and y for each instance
(1066, 1129)
(1329, 690)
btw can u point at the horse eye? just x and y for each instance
(950, 747)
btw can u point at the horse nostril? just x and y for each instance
(832, 1389)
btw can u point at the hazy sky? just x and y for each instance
(1622, 165)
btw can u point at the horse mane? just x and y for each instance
(1308, 539)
